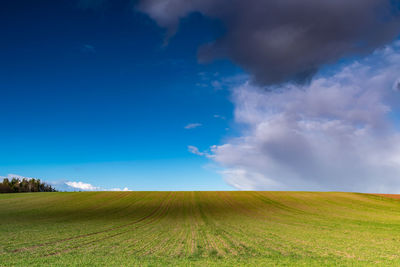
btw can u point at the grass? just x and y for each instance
(198, 229)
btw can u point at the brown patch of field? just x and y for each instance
(395, 196)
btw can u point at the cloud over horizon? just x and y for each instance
(89, 187)
(337, 133)
(82, 186)
(287, 40)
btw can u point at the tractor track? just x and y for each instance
(161, 208)
(91, 234)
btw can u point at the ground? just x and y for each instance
(198, 229)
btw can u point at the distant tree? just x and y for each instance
(5, 188)
(16, 185)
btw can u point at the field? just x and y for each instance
(198, 229)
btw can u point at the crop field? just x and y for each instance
(199, 229)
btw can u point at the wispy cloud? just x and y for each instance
(195, 150)
(192, 126)
(219, 117)
(213, 80)
(87, 48)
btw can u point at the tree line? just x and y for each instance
(16, 185)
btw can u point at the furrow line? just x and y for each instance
(89, 234)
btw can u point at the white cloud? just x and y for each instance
(245, 180)
(195, 150)
(192, 125)
(118, 189)
(82, 186)
(88, 187)
(333, 134)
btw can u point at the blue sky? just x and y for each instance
(92, 91)
(94, 95)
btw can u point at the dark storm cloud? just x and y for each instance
(283, 40)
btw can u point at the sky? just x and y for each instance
(201, 95)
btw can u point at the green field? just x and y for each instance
(198, 228)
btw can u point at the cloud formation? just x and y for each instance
(195, 150)
(88, 187)
(278, 41)
(336, 133)
(192, 126)
(82, 186)
(118, 189)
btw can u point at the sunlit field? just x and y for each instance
(198, 228)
